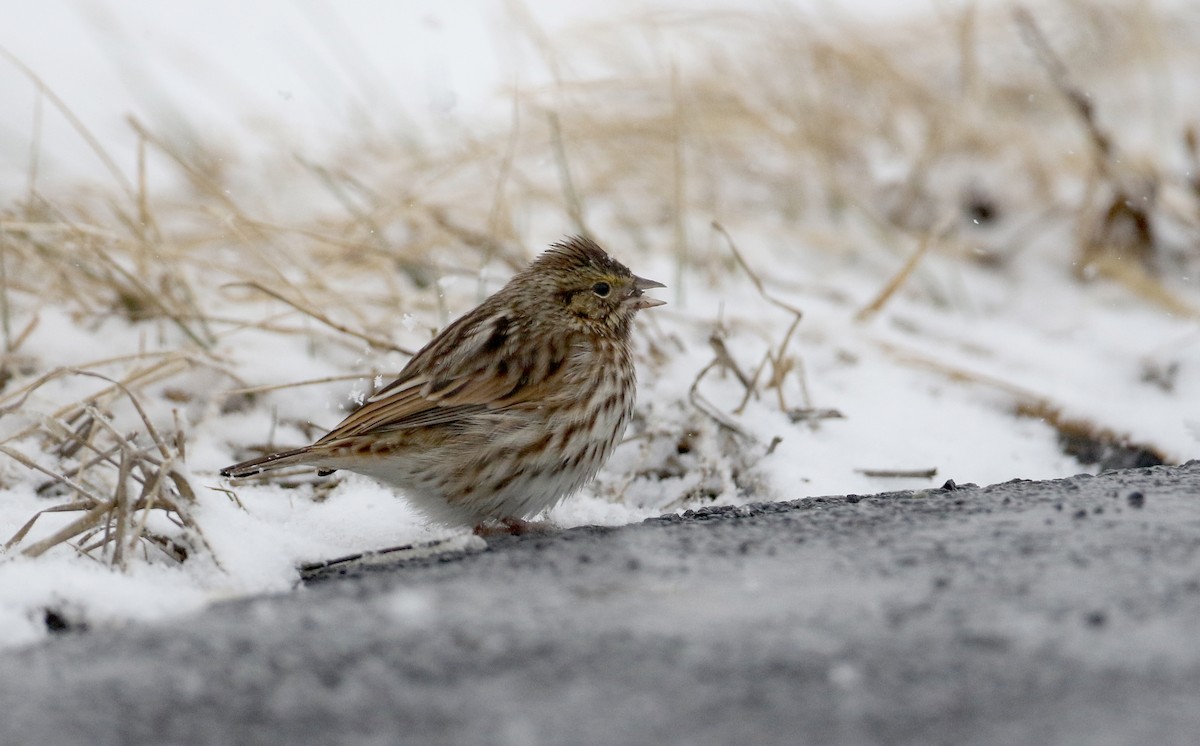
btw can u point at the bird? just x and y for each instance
(509, 409)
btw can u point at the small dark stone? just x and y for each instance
(1136, 500)
(852, 498)
(1095, 619)
(949, 486)
(1081, 513)
(58, 624)
(55, 622)
(980, 208)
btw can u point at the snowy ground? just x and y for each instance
(1056, 612)
(1027, 316)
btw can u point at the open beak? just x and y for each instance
(640, 301)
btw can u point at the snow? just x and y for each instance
(931, 382)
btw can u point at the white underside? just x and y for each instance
(537, 484)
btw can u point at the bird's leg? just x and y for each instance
(516, 526)
(509, 527)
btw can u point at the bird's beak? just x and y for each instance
(640, 301)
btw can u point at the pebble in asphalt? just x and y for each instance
(1050, 612)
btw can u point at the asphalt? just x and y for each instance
(1058, 612)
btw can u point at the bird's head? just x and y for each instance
(594, 291)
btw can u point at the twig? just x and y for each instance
(955, 373)
(489, 245)
(75, 123)
(198, 177)
(758, 284)
(705, 406)
(30, 229)
(679, 174)
(574, 203)
(716, 340)
(291, 385)
(145, 294)
(752, 388)
(35, 147)
(310, 570)
(889, 289)
(137, 404)
(121, 497)
(779, 366)
(105, 457)
(506, 163)
(30, 464)
(1142, 283)
(64, 508)
(808, 414)
(1061, 78)
(375, 342)
(74, 528)
(900, 473)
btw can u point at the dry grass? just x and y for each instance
(780, 121)
(116, 483)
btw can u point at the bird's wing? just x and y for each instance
(475, 365)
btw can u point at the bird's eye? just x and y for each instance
(601, 289)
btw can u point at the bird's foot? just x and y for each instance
(511, 527)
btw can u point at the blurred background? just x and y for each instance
(297, 73)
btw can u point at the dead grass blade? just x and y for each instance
(885, 293)
(929, 473)
(571, 198)
(377, 343)
(91, 518)
(708, 408)
(781, 363)
(76, 123)
(109, 527)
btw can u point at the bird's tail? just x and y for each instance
(258, 465)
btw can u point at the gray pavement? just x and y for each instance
(1058, 612)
